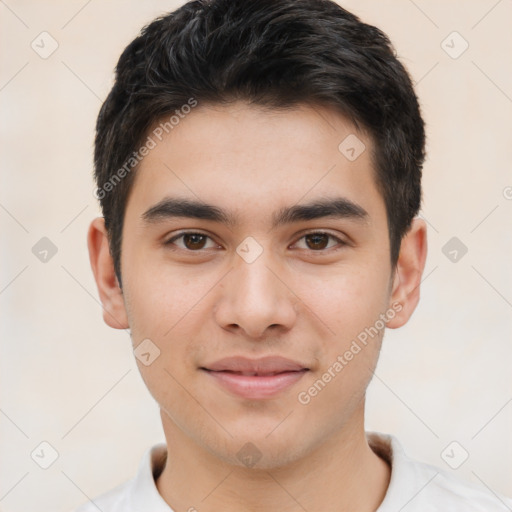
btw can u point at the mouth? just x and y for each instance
(255, 379)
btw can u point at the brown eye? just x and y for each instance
(194, 241)
(320, 241)
(317, 241)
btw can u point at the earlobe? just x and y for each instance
(111, 296)
(408, 272)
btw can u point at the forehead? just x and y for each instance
(247, 159)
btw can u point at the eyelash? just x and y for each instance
(171, 241)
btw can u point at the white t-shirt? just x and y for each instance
(414, 486)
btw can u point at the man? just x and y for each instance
(258, 165)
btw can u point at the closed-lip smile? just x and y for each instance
(255, 378)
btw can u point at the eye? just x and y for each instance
(319, 241)
(191, 241)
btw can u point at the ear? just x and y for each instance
(408, 272)
(111, 295)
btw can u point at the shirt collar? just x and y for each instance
(407, 476)
(144, 495)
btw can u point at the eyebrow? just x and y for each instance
(339, 208)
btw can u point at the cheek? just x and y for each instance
(347, 302)
(167, 307)
(351, 306)
(160, 297)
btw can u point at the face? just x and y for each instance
(255, 260)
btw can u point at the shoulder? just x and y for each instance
(416, 486)
(115, 500)
(138, 493)
(454, 492)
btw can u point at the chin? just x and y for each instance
(256, 450)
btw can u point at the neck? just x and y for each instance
(341, 474)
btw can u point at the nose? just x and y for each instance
(255, 299)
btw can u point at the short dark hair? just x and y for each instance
(271, 53)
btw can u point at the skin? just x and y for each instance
(295, 300)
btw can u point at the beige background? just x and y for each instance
(70, 380)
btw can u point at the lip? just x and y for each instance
(255, 378)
